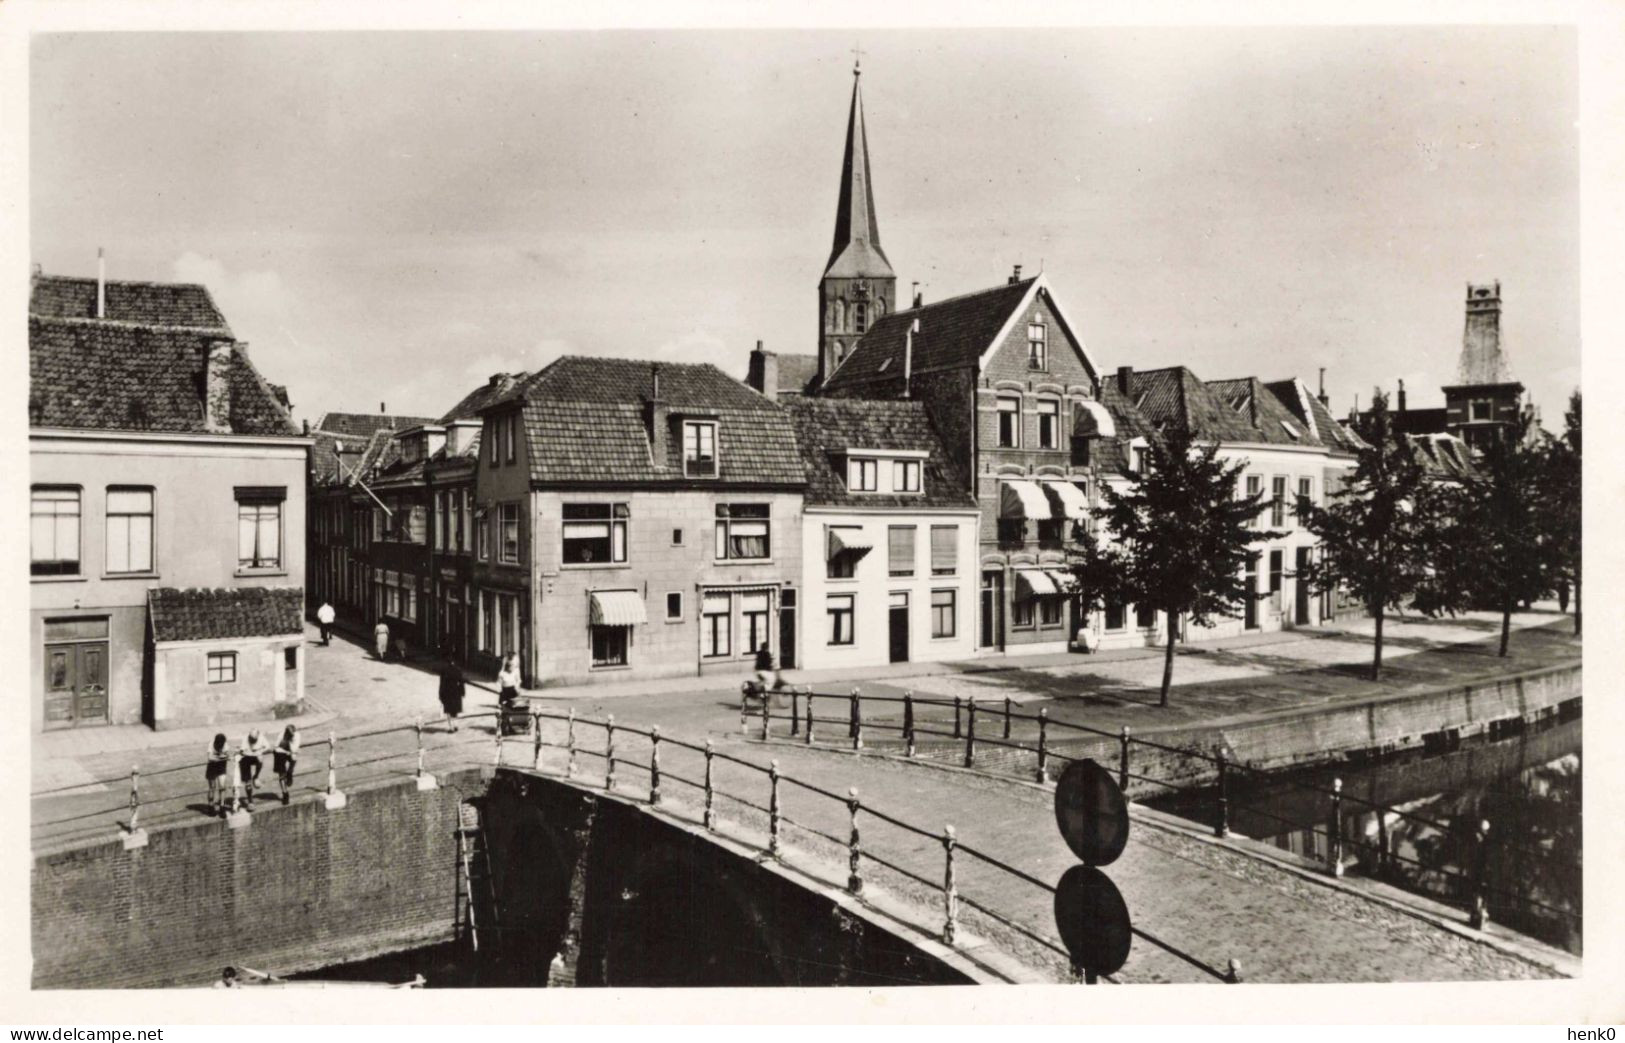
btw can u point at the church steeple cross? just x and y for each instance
(857, 60)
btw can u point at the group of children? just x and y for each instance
(285, 754)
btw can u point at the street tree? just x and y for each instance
(1178, 539)
(1560, 507)
(1502, 554)
(1381, 534)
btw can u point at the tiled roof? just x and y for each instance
(1303, 403)
(363, 425)
(1111, 454)
(586, 420)
(149, 303)
(127, 377)
(207, 614)
(482, 396)
(953, 333)
(827, 427)
(1176, 397)
(1442, 455)
(1262, 410)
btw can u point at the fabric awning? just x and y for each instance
(1065, 582)
(1034, 583)
(1023, 499)
(1074, 504)
(1093, 420)
(849, 539)
(617, 608)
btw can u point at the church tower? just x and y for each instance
(859, 285)
(1484, 403)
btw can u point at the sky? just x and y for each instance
(393, 217)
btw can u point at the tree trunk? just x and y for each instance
(1376, 646)
(1168, 662)
(1576, 602)
(1506, 625)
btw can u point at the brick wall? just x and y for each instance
(300, 888)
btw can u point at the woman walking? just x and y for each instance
(284, 758)
(451, 692)
(508, 681)
(214, 773)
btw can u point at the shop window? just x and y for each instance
(715, 629)
(1049, 611)
(610, 644)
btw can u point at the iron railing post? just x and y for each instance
(609, 752)
(1122, 761)
(1043, 744)
(1334, 831)
(908, 723)
(654, 765)
(970, 733)
(765, 718)
(795, 711)
(957, 734)
(854, 875)
(1007, 717)
(809, 716)
(710, 793)
(570, 743)
(773, 809)
(1478, 913)
(950, 893)
(1221, 827)
(536, 731)
(135, 798)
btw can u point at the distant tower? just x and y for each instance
(1484, 403)
(859, 285)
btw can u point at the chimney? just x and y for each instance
(1322, 395)
(659, 420)
(381, 410)
(763, 374)
(1125, 379)
(908, 356)
(1015, 275)
(101, 284)
(1401, 395)
(217, 389)
(498, 380)
(307, 428)
(919, 298)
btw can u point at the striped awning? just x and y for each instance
(617, 608)
(1093, 420)
(1034, 583)
(1065, 582)
(1074, 504)
(1023, 499)
(849, 539)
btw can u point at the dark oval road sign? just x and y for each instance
(1093, 920)
(1091, 813)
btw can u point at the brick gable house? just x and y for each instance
(167, 512)
(634, 519)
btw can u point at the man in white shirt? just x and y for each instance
(324, 619)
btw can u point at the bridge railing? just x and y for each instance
(933, 868)
(967, 729)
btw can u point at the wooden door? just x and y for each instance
(1300, 584)
(899, 627)
(75, 684)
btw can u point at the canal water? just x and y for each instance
(1526, 785)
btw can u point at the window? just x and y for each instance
(290, 658)
(259, 528)
(1037, 349)
(1277, 561)
(1140, 461)
(1012, 532)
(944, 556)
(488, 622)
(1049, 532)
(1049, 612)
(494, 439)
(594, 533)
(609, 645)
(843, 564)
(674, 605)
(1306, 496)
(753, 620)
(1482, 410)
(1255, 485)
(222, 667)
(1116, 616)
(743, 531)
(677, 537)
(1009, 422)
(509, 425)
(842, 618)
(905, 476)
(508, 623)
(900, 550)
(482, 534)
(715, 632)
(129, 530)
(863, 476)
(1145, 617)
(1049, 424)
(699, 449)
(1021, 613)
(509, 519)
(860, 317)
(944, 613)
(440, 521)
(1277, 502)
(53, 531)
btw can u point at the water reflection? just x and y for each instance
(1527, 786)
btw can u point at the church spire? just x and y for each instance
(856, 251)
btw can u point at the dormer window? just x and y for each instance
(863, 476)
(699, 449)
(1037, 346)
